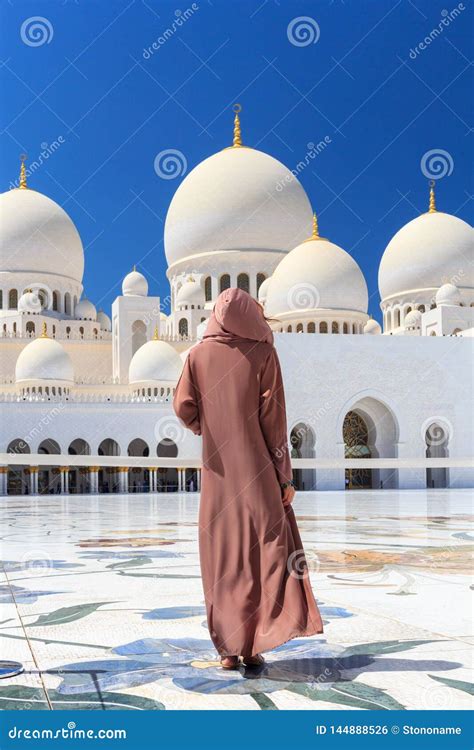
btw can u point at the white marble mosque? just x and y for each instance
(85, 395)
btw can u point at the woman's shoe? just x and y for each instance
(229, 662)
(253, 661)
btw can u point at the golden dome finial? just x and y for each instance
(432, 207)
(134, 268)
(23, 185)
(237, 132)
(315, 232)
(44, 332)
(156, 335)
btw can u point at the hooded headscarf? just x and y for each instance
(237, 316)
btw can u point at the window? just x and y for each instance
(1, 299)
(260, 279)
(290, 329)
(299, 328)
(311, 328)
(208, 289)
(12, 299)
(183, 327)
(345, 328)
(323, 327)
(55, 301)
(243, 282)
(224, 282)
(30, 327)
(335, 327)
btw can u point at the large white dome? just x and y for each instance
(237, 199)
(44, 359)
(316, 274)
(37, 236)
(425, 252)
(154, 362)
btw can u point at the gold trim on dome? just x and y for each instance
(23, 185)
(315, 233)
(432, 207)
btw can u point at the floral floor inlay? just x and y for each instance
(101, 600)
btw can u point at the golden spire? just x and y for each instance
(237, 132)
(156, 336)
(432, 207)
(23, 185)
(315, 233)
(134, 268)
(44, 332)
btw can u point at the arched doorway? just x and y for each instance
(49, 477)
(370, 430)
(79, 475)
(436, 440)
(183, 327)
(108, 475)
(138, 477)
(302, 441)
(17, 481)
(356, 445)
(167, 478)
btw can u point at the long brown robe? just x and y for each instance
(254, 571)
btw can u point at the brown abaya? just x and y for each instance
(254, 572)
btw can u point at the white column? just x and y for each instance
(180, 480)
(3, 480)
(66, 480)
(61, 477)
(33, 480)
(124, 473)
(198, 475)
(93, 480)
(153, 480)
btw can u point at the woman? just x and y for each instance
(254, 573)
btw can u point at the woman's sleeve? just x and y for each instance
(185, 400)
(272, 415)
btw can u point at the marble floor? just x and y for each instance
(101, 600)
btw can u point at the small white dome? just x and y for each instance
(30, 302)
(104, 321)
(237, 199)
(135, 285)
(85, 310)
(428, 249)
(316, 274)
(263, 290)
(191, 293)
(44, 359)
(372, 327)
(37, 235)
(154, 362)
(413, 319)
(448, 294)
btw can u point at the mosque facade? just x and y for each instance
(86, 396)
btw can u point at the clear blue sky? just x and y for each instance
(381, 107)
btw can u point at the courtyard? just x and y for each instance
(102, 603)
